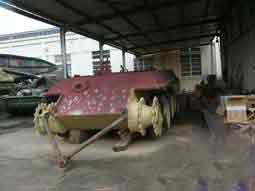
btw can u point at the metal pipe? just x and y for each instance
(124, 60)
(98, 135)
(63, 50)
(212, 57)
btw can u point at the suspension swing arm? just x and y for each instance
(64, 159)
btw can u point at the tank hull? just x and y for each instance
(93, 102)
(89, 122)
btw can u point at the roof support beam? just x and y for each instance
(88, 17)
(29, 11)
(174, 48)
(206, 9)
(206, 12)
(15, 9)
(196, 37)
(34, 13)
(117, 38)
(120, 14)
(154, 17)
(181, 18)
(139, 8)
(171, 28)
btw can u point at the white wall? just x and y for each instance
(80, 48)
(172, 60)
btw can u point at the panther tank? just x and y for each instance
(84, 103)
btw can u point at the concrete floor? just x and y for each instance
(188, 158)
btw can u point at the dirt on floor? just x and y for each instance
(189, 158)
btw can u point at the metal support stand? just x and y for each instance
(124, 60)
(125, 140)
(63, 50)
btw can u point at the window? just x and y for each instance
(143, 64)
(96, 60)
(190, 62)
(58, 61)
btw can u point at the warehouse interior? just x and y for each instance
(146, 27)
(211, 147)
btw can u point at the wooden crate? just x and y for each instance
(251, 101)
(236, 109)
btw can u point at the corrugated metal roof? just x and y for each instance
(138, 26)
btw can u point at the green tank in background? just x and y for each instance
(21, 105)
(28, 65)
(7, 83)
(22, 83)
(25, 96)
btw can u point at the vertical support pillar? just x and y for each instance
(63, 50)
(212, 58)
(190, 60)
(101, 52)
(124, 60)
